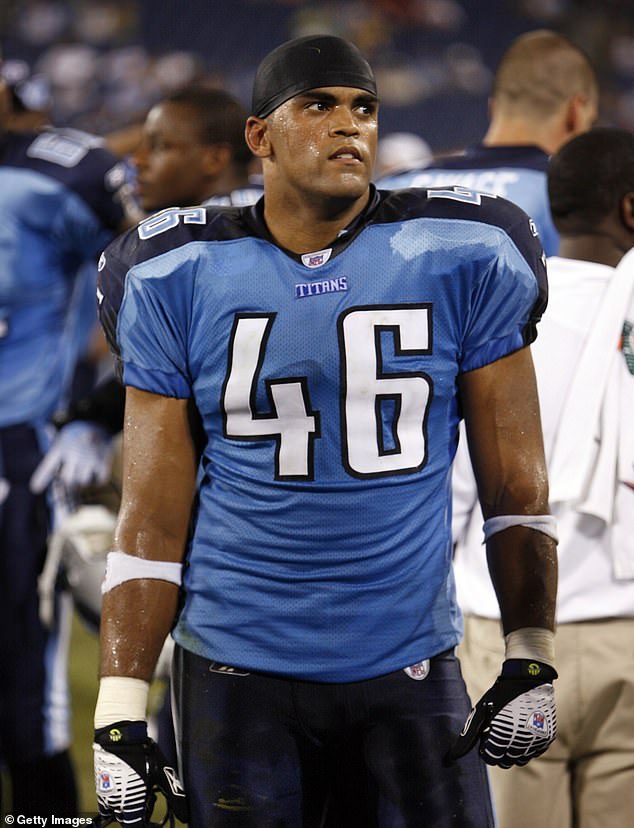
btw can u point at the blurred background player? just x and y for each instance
(584, 360)
(58, 208)
(545, 92)
(193, 150)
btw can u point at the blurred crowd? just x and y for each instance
(100, 65)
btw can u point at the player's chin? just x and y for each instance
(153, 205)
(350, 184)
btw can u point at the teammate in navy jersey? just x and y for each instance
(58, 207)
(330, 338)
(545, 92)
(193, 148)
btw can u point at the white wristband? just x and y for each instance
(536, 643)
(121, 567)
(540, 523)
(121, 698)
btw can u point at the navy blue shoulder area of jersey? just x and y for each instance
(458, 203)
(76, 161)
(178, 226)
(154, 236)
(455, 202)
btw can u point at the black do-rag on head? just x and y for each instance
(308, 63)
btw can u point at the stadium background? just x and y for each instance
(108, 60)
(104, 62)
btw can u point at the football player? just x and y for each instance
(330, 337)
(58, 207)
(545, 92)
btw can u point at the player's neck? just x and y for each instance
(517, 133)
(303, 226)
(602, 248)
(227, 181)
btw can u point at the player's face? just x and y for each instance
(170, 162)
(324, 142)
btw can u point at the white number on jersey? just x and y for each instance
(65, 147)
(166, 219)
(292, 424)
(462, 194)
(366, 388)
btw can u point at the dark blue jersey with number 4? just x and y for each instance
(326, 384)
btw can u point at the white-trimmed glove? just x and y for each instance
(129, 771)
(516, 720)
(80, 455)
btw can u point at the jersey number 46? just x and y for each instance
(365, 390)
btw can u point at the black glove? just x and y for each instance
(129, 770)
(516, 719)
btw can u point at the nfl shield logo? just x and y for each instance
(418, 671)
(105, 783)
(537, 722)
(316, 259)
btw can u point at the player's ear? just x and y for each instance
(5, 103)
(257, 136)
(627, 211)
(216, 158)
(575, 116)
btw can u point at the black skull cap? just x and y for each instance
(308, 63)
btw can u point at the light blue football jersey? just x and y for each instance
(326, 384)
(517, 173)
(58, 210)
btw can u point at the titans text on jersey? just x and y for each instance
(322, 545)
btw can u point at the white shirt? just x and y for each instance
(587, 586)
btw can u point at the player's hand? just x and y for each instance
(80, 455)
(129, 771)
(516, 719)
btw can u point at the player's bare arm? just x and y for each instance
(153, 525)
(516, 719)
(505, 440)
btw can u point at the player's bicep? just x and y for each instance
(501, 411)
(159, 472)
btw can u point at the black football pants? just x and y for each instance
(259, 751)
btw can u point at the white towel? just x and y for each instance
(572, 462)
(593, 449)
